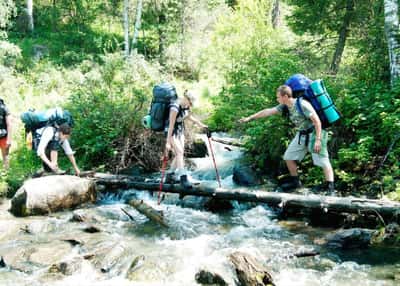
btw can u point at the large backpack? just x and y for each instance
(314, 92)
(163, 95)
(299, 84)
(3, 123)
(34, 120)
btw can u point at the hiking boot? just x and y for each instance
(185, 184)
(170, 178)
(326, 187)
(293, 182)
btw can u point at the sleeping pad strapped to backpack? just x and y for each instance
(163, 95)
(315, 93)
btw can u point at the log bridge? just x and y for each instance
(386, 210)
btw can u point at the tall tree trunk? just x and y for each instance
(343, 33)
(139, 7)
(29, 10)
(182, 36)
(276, 15)
(54, 16)
(392, 31)
(161, 35)
(126, 27)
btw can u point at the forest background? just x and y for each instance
(101, 58)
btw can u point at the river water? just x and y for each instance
(196, 239)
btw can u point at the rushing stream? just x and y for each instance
(196, 239)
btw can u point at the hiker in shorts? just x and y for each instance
(310, 137)
(179, 112)
(51, 139)
(5, 133)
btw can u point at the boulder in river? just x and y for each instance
(350, 238)
(245, 176)
(52, 193)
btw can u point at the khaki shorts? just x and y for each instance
(297, 152)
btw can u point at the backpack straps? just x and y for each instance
(298, 106)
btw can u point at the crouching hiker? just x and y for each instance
(179, 111)
(51, 139)
(309, 137)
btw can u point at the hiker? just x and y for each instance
(5, 133)
(179, 111)
(51, 138)
(309, 137)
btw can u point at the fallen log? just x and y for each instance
(327, 204)
(249, 271)
(52, 193)
(149, 212)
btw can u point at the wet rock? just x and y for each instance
(361, 220)
(392, 231)
(206, 277)
(350, 238)
(50, 253)
(2, 262)
(91, 229)
(78, 217)
(73, 241)
(245, 176)
(112, 258)
(249, 271)
(136, 263)
(67, 267)
(37, 227)
(52, 193)
(198, 149)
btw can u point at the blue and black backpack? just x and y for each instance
(163, 95)
(314, 92)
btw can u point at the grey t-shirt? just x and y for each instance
(302, 122)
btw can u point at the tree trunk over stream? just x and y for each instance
(387, 210)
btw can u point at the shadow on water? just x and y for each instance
(374, 255)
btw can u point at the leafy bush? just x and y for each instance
(9, 54)
(107, 104)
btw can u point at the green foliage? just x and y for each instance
(320, 21)
(23, 163)
(9, 54)
(371, 121)
(7, 10)
(108, 103)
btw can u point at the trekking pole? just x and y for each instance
(212, 154)
(164, 165)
